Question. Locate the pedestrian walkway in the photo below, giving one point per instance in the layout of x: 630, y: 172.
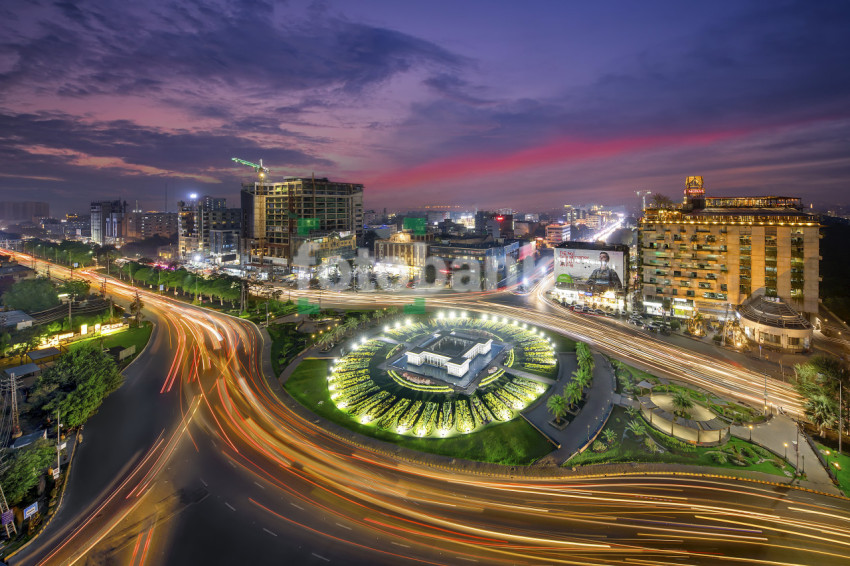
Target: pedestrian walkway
x: 528, y: 375
x: 782, y: 430
x: 576, y: 434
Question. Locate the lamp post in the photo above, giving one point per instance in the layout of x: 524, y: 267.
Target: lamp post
x: 751, y: 432
x: 785, y: 444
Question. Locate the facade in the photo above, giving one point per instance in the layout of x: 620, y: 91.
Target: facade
x: 557, y: 234
x: 710, y: 254
x: 401, y: 249
x: 769, y: 322
x: 196, y: 220
x: 450, y: 352
x: 279, y: 216
x: 107, y: 221
x: 502, y: 256
x: 592, y: 275
x: 142, y: 225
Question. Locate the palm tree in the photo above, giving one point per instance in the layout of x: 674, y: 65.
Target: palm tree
x: 609, y: 435
x: 136, y: 308
x: 572, y: 393
x: 636, y: 427
x: 822, y: 410
x: 582, y: 376
x: 682, y: 403
x: 557, y: 405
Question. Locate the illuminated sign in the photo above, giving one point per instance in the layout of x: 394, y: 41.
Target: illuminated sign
x: 604, y: 270
x: 694, y: 186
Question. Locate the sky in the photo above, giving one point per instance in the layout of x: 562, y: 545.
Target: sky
x: 491, y: 104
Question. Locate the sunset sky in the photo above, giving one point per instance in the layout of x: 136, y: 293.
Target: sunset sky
x: 526, y: 104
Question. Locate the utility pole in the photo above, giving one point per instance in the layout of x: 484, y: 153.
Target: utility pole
x: 16, y: 423
x: 58, y: 446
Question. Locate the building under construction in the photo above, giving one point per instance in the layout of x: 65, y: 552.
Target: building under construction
x: 278, y: 216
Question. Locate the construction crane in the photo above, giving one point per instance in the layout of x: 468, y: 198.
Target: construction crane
x: 258, y: 167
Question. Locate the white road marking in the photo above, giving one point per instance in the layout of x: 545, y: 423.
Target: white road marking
x: 268, y: 531
x: 320, y: 556
x: 258, y: 485
x: 232, y: 508
x: 399, y: 544
x: 296, y: 505
x: 343, y: 526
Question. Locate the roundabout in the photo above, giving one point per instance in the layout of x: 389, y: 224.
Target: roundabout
x: 444, y: 375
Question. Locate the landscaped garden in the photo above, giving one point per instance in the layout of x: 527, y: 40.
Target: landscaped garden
x: 378, y: 389
x: 627, y: 437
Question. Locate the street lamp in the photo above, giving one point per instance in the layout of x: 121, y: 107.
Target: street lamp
x: 751, y: 432
x: 785, y: 444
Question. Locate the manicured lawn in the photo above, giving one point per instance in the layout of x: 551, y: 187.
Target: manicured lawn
x: 843, y: 461
x: 512, y: 443
x: 627, y: 447
x: 126, y: 338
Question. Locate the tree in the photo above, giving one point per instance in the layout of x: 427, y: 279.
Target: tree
x: 682, y: 403
x: 25, y: 468
x: 609, y: 435
x: 136, y: 309
x: 572, y: 393
x: 661, y: 201
x: 557, y: 406
x: 75, y: 287
x: 822, y: 410
x: 76, y: 385
x: 32, y: 295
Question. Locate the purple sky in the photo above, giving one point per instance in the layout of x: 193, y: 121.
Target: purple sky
x: 528, y: 105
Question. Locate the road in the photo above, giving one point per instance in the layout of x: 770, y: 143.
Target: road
x: 197, y: 461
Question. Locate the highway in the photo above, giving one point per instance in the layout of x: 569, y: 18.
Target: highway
x: 198, y: 461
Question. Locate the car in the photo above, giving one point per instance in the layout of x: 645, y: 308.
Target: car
x: 599, y: 311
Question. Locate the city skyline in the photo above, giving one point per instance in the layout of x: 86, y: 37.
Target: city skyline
x: 423, y: 105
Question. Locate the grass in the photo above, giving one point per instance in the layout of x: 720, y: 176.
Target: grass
x: 629, y: 448
x: 130, y: 337
x: 512, y: 443
x: 286, y: 343
x: 843, y: 460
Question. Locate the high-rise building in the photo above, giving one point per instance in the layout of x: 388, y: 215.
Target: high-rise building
x: 198, y: 217
x: 141, y: 225
x: 23, y: 211
x: 710, y: 254
x: 107, y: 221
x: 279, y: 216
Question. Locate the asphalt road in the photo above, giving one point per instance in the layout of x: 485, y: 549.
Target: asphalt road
x: 196, y: 461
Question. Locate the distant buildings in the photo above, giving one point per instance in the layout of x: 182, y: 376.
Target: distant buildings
x: 711, y: 254
x: 279, y: 216
x: 24, y: 211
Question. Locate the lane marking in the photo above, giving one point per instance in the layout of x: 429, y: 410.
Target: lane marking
x: 399, y: 544
x: 320, y: 556
x: 268, y: 531
x: 343, y: 526
x: 296, y: 505
x: 232, y: 508
x: 258, y: 485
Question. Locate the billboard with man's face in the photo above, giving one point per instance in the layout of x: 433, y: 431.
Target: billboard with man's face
x: 600, y: 269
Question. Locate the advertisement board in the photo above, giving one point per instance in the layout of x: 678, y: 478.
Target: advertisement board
x: 595, y: 268
x: 31, y: 510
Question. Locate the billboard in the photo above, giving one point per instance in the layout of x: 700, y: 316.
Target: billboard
x: 597, y: 269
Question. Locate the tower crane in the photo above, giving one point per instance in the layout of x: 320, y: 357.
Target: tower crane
x: 261, y: 170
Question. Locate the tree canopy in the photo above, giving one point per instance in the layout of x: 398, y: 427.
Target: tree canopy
x: 77, y: 384
x: 25, y: 466
x: 31, y: 295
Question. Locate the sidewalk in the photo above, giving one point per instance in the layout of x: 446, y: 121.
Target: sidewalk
x: 575, y: 435
x: 780, y: 430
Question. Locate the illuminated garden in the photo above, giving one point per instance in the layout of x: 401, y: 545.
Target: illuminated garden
x: 442, y: 376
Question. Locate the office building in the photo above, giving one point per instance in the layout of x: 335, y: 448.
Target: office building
x: 197, y: 218
x: 401, y: 251
x: 710, y: 254
x: 141, y: 225
x: 279, y: 216
x: 107, y: 222
x: 557, y: 234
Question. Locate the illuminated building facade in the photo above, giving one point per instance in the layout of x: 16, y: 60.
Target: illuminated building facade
x: 279, y: 216
x: 710, y: 254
